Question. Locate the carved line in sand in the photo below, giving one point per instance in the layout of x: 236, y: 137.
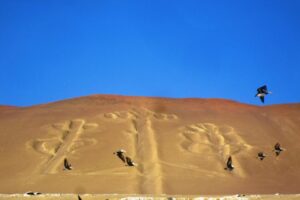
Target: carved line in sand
x: 144, y: 145
x: 210, y: 139
x: 135, y: 115
x: 66, y: 142
x: 131, y: 133
x: 152, y: 181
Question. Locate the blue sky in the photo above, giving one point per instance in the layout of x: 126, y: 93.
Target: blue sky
x: 52, y: 50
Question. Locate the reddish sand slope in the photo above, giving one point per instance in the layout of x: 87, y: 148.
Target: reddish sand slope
x: 181, y: 146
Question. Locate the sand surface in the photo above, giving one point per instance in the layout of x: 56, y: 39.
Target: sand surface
x: 181, y: 147
x: 149, y: 197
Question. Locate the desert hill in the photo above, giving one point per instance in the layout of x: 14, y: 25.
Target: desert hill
x: 181, y: 146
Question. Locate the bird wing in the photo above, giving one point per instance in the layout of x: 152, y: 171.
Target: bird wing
x: 262, y: 89
x: 122, y: 157
x: 66, y: 164
x: 262, y: 98
x: 129, y: 161
x: 259, y: 90
x: 229, y: 162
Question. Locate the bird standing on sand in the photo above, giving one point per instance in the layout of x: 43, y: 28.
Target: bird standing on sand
x: 261, y: 155
x: 32, y: 193
x: 67, y: 165
x: 229, y: 164
x: 262, y: 92
x: 120, y: 153
x: 277, y: 149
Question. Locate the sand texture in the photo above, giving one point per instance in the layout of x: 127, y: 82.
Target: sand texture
x: 149, y: 197
x: 180, y: 145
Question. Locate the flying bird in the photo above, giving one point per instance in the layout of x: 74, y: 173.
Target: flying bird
x: 261, y: 155
x: 229, y: 164
x: 277, y: 149
x: 130, y: 162
x: 67, y: 165
x: 262, y: 92
x: 120, y: 153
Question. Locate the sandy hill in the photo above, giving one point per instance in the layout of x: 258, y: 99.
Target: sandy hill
x: 181, y: 146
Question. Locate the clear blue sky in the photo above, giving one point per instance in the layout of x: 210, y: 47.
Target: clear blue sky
x: 57, y: 49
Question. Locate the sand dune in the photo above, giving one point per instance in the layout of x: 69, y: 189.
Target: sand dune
x: 181, y: 147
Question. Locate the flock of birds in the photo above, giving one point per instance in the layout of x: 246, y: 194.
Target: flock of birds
x: 260, y: 155
x: 121, y: 154
x: 261, y: 93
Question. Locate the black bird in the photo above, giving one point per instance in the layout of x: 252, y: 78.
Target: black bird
x: 32, y: 193
x: 262, y: 92
x: 79, y: 198
x: 277, y: 149
x: 130, y: 162
x: 120, y: 154
x: 229, y: 164
x: 67, y: 165
x: 261, y: 155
